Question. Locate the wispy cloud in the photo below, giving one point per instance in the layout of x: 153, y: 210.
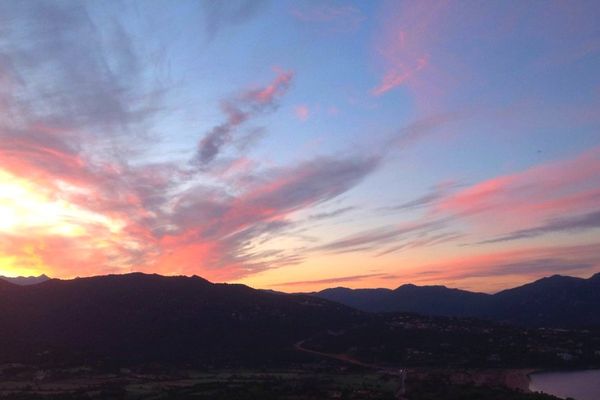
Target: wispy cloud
x: 374, y: 239
x: 222, y: 14
x: 239, y: 110
x: 422, y: 128
x: 552, y: 196
x: 426, y: 241
x: 554, y: 225
x: 336, y: 280
x: 331, y: 214
x: 436, y: 193
x: 334, y: 17
x: 405, y: 44
x: 518, y: 266
x: 399, y: 75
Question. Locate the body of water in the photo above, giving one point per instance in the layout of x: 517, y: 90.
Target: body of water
x: 579, y: 385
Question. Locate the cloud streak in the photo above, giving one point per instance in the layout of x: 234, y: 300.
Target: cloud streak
x: 376, y: 238
x: 529, y: 202
x: 239, y: 110
x: 517, y: 266
x: 566, y: 224
x: 437, y: 193
x: 336, y: 280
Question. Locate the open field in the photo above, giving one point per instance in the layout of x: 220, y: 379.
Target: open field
x: 325, y: 380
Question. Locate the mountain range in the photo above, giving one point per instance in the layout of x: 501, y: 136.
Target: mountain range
x: 25, y: 280
x: 556, y: 301
x: 141, y: 318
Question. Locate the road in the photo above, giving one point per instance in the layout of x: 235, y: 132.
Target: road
x: 400, y: 373
x: 341, y: 357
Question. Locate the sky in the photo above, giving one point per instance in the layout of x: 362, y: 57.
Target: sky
x: 301, y: 145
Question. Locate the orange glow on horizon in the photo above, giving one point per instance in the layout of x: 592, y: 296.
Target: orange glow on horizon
x: 29, y: 212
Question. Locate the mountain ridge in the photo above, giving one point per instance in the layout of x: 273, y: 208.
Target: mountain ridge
x: 554, y: 301
x: 25, y: 280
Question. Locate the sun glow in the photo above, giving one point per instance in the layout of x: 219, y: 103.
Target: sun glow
x: 28, y: 265
x: 33, y: 220
x: 25, y: 207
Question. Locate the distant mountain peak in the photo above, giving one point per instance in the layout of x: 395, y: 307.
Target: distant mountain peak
x: 26, y: 280
x: 406, y: 285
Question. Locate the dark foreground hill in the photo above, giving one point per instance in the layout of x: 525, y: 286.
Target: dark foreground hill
x: 141, y: 318
x: 137, y: 319
x: 557, y: 301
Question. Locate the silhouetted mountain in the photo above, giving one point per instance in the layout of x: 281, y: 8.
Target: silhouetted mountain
x: 429, y: 300
x: 372, y: 300
x: 119, y: 320
x: 557, y: 301
x: 25, y: 280
x: 139, y: 317
x: 561, y: 301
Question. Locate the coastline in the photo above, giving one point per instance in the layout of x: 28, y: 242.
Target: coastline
x: 519, y: 379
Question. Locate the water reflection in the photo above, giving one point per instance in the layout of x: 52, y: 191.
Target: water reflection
x: 579, y: 385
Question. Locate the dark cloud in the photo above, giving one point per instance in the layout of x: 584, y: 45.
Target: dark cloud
x: 239, y: 110
x: 436, y: 193
x: 221, y: 14
x: 312, y: 182
x: 331, y: 214
x: 565, y: 224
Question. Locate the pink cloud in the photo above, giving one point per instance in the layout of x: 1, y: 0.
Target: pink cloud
x: 498, y: 270
x: 239, y: 109
x: 529, y: 197
x: 557, y: 197
x: 405, y: 47
x: 302, y: 112
x: 397, y: 76
x: 275, y: 89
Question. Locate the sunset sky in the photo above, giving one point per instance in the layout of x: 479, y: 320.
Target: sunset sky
x: 301, y: 145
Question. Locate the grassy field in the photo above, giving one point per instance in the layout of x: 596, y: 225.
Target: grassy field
x: 320, y: 381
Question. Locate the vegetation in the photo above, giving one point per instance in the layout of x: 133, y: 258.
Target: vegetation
x: 242, y: 385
